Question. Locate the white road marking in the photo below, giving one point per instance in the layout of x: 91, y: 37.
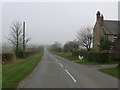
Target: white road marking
x: 57, y: 60
x: 60, y: 64
x: 70, y: 76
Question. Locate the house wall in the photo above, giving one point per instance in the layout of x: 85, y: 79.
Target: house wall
x: 110, y: 38
x: 96, y: 36
x: 99, y: 33
x: 102, y: 33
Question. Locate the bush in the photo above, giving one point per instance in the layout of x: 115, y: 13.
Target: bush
x: 8, y: 57
x: 27, y: 53
x: 98, y: 56
x: 80, y: 52
x: 105, y: 44
x: 95, y: 56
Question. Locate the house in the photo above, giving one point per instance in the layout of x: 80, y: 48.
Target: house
x: 107, y: 29
x: 116, y: 49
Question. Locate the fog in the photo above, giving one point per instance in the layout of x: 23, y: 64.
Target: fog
x: 47, y: 22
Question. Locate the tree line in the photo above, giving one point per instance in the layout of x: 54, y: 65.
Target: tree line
x: 84, y: 40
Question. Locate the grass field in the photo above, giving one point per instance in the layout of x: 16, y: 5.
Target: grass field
x: 112, y: 71
x: 75, y: 59
x: 13, y: 73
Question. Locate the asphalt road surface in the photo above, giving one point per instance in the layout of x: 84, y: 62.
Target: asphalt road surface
x: 56, y: 72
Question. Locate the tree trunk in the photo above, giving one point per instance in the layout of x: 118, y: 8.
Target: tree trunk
x: 17, y: 44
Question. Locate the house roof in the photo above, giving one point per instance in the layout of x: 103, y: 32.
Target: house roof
x: 111, y: 27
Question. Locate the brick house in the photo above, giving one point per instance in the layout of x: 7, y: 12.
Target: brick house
x: 107, y: 29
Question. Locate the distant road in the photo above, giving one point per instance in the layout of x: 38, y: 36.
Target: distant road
x: 56, y: 72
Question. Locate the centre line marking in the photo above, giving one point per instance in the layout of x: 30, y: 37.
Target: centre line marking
x: 71, y: 76
x: 60, y: 64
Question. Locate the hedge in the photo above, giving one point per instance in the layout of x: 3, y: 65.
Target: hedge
x: 27, y: 53
x: 96, y: 56
x: 8, y: 57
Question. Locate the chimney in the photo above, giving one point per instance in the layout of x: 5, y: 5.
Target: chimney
x: 102, y: 20
x: 98, y: 15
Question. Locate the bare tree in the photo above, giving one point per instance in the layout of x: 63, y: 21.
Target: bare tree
x: 16, y: 37
x: 85, y: 38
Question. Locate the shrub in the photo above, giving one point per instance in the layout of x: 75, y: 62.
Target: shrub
x: 98, y: 56
x: 27, y: 53
x: 105, y: 44
x: 95, y: 56
x: 8, y: 57
x: 79, y: 52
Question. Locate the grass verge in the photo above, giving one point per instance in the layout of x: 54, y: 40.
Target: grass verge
x: 112, y: 71
x: 75, y: 59
x: 13, y: 73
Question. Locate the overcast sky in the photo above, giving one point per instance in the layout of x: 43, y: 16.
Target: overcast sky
x: 49, y: 21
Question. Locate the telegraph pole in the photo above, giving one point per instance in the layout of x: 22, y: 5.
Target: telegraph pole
x: 24, y: 39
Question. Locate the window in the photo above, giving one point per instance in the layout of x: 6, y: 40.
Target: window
x: 114, y: 38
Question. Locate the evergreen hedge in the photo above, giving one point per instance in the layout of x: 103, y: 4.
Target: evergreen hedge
x: 96, y: 56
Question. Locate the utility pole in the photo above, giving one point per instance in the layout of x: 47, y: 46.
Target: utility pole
x: 24, y: 39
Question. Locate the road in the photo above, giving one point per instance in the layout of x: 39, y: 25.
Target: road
x: 56, y: 72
